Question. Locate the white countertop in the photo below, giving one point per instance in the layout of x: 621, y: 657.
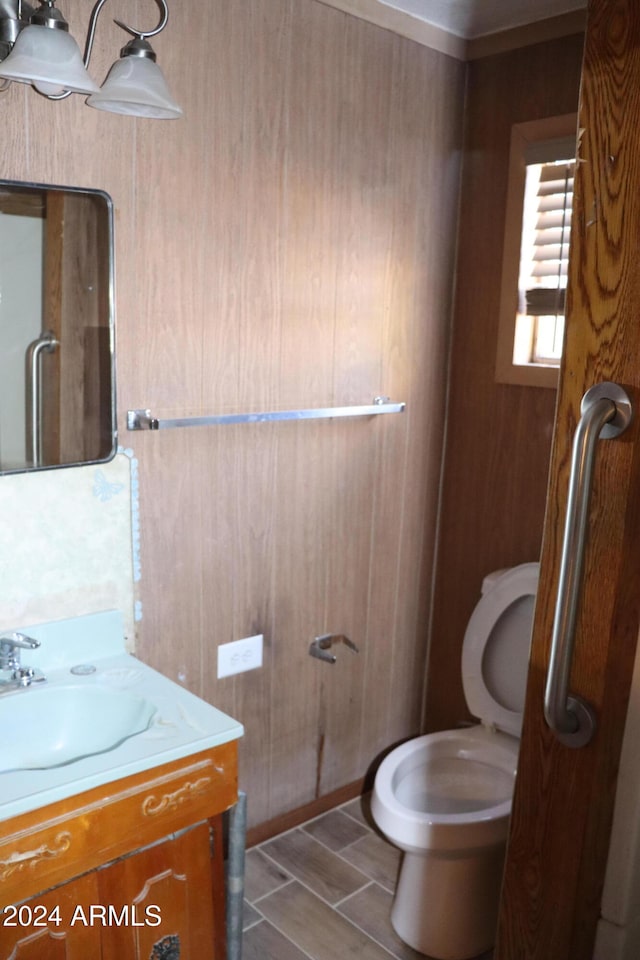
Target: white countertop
x: 182, y: 724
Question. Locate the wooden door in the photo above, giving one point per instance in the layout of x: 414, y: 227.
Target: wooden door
x: 76, y: 376
x: 563, y: 804
x: 52, y: 313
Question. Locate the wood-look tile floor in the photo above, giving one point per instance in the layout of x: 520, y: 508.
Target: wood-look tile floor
x: 323, y: 891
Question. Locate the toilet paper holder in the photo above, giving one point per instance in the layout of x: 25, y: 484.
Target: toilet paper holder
x: 321, y: 645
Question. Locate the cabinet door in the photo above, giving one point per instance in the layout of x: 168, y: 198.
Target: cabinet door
x: 161, y: 902
x: 52, y: 926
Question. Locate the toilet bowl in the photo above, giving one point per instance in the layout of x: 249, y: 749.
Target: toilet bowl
x: 445, y: 798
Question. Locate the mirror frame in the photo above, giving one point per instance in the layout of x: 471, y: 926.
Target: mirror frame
x: 110, y: 299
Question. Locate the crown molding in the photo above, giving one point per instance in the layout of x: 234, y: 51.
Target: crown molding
x: 564, y: 25
x: 397, y: 21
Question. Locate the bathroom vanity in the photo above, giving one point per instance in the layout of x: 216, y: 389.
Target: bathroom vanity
x: 115, y: 852
x: 128, y: 866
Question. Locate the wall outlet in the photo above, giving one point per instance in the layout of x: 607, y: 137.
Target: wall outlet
x: 239, y: 655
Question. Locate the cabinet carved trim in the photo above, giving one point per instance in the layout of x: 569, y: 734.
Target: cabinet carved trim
x: 21, y: 860
x: 142, y: 895
x: 70, y: 837
x: 171, y: 801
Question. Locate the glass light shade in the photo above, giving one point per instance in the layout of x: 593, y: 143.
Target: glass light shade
x: 48, y: 58
x: 136, y: 86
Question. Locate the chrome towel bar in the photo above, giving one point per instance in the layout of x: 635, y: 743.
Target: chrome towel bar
x: 144, y: 420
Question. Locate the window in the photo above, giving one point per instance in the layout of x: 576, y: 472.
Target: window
x: 536, y: 251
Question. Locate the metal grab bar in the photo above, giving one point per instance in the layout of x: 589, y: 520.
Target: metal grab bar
x: 143, y: 419
x: 45, y: 343
x: 606, y: 412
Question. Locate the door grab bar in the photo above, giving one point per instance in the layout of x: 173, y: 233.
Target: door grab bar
x: 45, y: 343
x: 606, y: 412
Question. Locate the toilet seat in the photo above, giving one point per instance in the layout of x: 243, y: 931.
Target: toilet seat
x: 495, y: 651
x: 412, y: 823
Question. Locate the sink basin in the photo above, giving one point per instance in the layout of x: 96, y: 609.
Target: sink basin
x: 55, y: 726
x: 100, y: 716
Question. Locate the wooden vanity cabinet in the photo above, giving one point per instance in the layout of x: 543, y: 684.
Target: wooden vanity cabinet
x: 133, y: 869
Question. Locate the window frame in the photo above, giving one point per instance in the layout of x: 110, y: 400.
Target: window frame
x: 523, y: 135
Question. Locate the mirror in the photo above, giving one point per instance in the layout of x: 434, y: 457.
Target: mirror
x: 57, y: 370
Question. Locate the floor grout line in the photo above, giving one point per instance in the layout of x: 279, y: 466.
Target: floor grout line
x: 373, y: 939
x: 283, y: 934
x: 333, y: 907
x: 308, y: 889
x: 281, y: 886
x: 381, y: 883
x: 337, y: 906
x: 336, y: 853
x: 339, y: 903
x: 254, y: 923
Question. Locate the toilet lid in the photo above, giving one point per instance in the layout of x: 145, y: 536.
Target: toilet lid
x: 495, y: 653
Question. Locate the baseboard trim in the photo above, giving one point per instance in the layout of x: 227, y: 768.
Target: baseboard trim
x: 287, y: 821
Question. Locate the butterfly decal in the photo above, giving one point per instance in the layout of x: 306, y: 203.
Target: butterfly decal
x: 103, y: 489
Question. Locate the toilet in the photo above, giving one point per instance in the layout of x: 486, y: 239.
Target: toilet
x: 445, y: 798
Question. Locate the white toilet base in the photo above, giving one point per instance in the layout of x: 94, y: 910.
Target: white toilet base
x: 448, y: 908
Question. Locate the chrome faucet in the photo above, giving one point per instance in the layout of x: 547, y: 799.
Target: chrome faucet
x: 12, y: 674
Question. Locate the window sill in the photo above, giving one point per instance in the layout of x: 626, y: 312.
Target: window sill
x: 528, y: 375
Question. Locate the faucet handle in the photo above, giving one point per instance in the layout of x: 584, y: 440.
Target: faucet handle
x: 12, y: 674
x: 11, y: 641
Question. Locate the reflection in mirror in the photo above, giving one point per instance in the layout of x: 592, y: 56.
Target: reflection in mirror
x: 57, y: 389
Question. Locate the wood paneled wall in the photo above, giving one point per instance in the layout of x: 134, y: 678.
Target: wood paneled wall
x: 498, y: 436
x: 289, y: 243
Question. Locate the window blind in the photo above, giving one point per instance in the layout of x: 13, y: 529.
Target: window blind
x: 546, y: 286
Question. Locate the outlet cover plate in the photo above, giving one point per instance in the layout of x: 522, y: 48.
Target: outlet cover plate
x: 240, y: 656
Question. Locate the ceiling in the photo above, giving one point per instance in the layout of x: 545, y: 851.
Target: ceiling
x: 469, y: 19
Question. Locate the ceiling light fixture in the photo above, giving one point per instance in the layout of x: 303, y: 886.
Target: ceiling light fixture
x: 36, y: 47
